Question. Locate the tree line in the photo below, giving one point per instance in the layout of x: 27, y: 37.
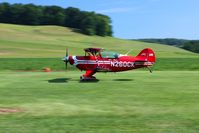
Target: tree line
x: 89, y: 23
x: 191, y: 45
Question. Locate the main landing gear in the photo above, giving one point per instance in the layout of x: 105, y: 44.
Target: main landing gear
x: 85, y: 78
x: 88, y: 76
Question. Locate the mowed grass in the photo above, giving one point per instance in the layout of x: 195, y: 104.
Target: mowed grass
x: 134, y: 101
x: 51, y: 41
x: 56, y: 64
x: 56, y: 102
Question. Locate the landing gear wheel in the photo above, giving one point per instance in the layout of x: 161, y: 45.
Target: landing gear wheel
x: 84, y: 78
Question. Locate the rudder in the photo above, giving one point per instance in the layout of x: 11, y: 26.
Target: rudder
x: 148, y: 54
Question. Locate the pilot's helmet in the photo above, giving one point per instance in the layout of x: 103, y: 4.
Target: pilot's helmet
x: 116, y: 55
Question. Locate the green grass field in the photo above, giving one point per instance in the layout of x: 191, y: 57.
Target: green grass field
x: 51, y: 41
x: 135, y: 101
x: 55, y: 64
x: 31, y: 101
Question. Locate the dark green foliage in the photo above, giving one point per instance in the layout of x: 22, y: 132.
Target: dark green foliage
x: 20, y: 14
x: 167, y: 41
x: 53, y: 15
x: 102, y: 29
x: 191, y: 45
x: 5, y: 12
x: 88, y: 23
x: 73, y: 17
x: 31, y: 15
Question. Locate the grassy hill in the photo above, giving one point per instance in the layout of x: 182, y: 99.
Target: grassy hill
x: 51, y: 41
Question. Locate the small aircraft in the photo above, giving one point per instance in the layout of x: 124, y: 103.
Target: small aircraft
x: 98, y: 60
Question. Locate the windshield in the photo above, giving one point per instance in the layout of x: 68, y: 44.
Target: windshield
x: 109, y: 54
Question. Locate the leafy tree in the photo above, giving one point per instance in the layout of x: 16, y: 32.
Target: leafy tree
x: 88, y: 23
x: 53, y: 15
x: 30, y: 15
x: 73, y: 17
x: 4, y: 9
x: 192, y: 46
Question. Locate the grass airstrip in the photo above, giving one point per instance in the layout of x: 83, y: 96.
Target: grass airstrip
x: 136, y: 101
x: 32, y: 101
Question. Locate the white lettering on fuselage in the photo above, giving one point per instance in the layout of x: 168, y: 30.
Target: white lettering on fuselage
x: 103, y: 62
x: 122, y: 64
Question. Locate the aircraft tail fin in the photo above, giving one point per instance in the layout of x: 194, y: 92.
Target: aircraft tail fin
x: 148, y: 54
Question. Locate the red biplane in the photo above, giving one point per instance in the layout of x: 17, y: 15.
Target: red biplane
x: 98, y: 60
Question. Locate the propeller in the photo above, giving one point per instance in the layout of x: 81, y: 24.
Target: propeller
x: 65, y: 59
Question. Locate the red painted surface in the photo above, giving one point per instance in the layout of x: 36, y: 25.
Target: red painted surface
x: 96, y: 63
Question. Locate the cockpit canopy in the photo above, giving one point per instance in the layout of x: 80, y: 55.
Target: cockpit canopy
x: 93, y: 51
x: 110, y: 54
x: 101, y: 52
